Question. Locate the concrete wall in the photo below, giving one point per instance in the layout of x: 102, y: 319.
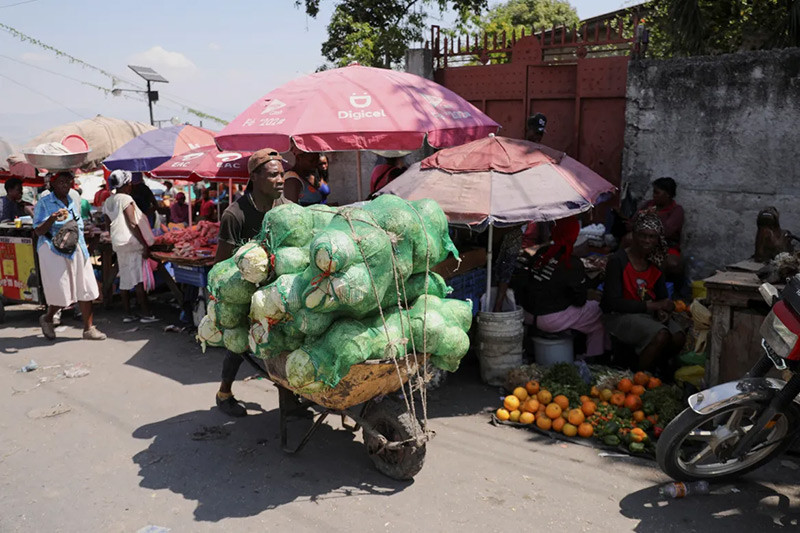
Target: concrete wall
x: 343, y: 175
x: 727, y: 129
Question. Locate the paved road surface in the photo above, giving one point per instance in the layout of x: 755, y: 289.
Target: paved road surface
x: 137, y: 443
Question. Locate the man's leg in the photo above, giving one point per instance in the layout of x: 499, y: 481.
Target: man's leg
x: 225, y: 400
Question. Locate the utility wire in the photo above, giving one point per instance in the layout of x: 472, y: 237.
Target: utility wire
x: 42, y: 95
x: 18, y: 3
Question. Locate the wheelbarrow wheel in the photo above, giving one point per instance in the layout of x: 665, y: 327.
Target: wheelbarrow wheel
x: 390, y: 419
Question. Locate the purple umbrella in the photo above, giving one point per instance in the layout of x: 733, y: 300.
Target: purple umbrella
x: 150, y: 149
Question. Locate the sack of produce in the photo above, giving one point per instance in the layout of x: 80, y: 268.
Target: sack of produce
x: 226, y: 284
x: 321, y: 216
x: 280, y: 298
x: 286, y: 225
x: 258, y: 339
x: 230, y: 315
x: 208, y: 334
x: 235, y: 339
x: 415, y: 287
x: 252, y: 261
x: 291, y: 260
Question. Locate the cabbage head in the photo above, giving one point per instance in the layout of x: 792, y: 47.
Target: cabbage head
x: 236, y: 339
x: 253, y: 262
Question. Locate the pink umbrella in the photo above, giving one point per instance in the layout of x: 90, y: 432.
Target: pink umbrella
x: 205, y: 163
x: 356, y: 108
x: 501, y: 181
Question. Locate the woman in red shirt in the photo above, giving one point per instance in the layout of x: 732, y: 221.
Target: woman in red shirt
x: 635, y: 297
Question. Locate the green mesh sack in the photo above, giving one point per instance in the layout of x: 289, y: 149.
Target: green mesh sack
x: 434, y: 244
x: 333, y: 250
x: 208, y: 334
x: 290, y: 260
x: 301, y: 373
x: 426, y: 330
x: 287, y: 337
x: 457, y: 312
x: 235, y: 339
x: 414, y: 288
x: 313, y: 324
x: 281, y: 297
x: 230, y: 315
x: 392, y: 339
x: 321, y: 216
x: 252, y: 261
x: 453, y: 346
x: 211, y: 310
x: 258, y: 341
x: 286, y: 225
x: 226, y: 284
x: 347, y: 342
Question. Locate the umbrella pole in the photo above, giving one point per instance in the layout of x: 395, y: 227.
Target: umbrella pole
x: 489, y: 270
x: 191, y: 204
x: 358, y: 172
x: 230, y: 191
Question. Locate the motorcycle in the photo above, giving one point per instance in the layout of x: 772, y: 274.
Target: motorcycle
x: 736, y: 427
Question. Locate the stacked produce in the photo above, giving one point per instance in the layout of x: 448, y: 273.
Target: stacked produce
x: 339, y: 287
x: 186, y: 242
x: 619, y: 409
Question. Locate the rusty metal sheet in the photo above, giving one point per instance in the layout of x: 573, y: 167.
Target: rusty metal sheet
x: 492, y: 82
x: 602, y: 77
x: 552, y: 81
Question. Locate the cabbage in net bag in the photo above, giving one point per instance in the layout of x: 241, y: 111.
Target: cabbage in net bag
x: 286, y: 225
x: 225, y: 283
x: 253, y: 262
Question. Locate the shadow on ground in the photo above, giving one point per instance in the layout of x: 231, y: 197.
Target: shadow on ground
x: 756, y: 507
x: 236, y: 468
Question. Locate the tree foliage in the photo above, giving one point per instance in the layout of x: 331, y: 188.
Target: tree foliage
x: 378, y: 32
x: 514, y: 15
x: 703, y: 27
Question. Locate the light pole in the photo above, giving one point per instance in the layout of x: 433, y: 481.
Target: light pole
x: 149, y: 75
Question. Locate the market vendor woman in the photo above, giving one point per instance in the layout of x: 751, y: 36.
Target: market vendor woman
x: 66, y: 273
x: 635, y: 297
x: 240, y: 223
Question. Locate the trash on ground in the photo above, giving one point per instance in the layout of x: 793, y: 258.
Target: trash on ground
x: 153, y: 529
x: 48, y: 412
x: 211, y: 433
x: 173, y: 329
x: 61, y: 329
x: 77, y: 371
x: 680, y: 489
x: 30, y: 367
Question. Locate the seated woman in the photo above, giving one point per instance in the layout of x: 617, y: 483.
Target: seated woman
x: 554, y: 291
x: 635, y: 297
x: 671, y: 215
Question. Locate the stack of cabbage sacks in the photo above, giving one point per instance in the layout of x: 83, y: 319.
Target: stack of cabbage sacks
x: 336, y: 288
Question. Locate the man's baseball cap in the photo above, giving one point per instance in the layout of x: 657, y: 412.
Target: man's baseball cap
x: 261, y: 157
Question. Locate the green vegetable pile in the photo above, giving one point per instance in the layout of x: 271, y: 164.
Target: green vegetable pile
x: 563, y: 378
x: 667, y: 401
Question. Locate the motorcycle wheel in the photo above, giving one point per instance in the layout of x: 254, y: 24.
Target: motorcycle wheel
x: 696, y: 447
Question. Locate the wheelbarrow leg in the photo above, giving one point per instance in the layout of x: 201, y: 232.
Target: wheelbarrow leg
x: 287, y: 404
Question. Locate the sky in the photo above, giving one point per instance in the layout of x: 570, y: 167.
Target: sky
x: 219, y: 57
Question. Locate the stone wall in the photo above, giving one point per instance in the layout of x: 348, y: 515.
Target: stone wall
x: 727, y: 129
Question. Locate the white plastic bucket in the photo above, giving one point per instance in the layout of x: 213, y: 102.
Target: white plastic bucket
x: 551, y: 351
x: 499, y: 344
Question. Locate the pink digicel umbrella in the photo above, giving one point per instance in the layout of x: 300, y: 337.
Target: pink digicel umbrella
x: 501, y: 181
x: 356, y: 108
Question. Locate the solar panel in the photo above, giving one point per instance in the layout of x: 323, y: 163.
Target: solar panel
x: 147, y: 73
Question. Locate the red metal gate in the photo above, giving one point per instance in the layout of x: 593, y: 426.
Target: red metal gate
x: 576, y: 77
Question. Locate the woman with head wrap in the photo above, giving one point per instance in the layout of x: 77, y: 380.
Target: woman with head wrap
x: 635, y: 296
x: 554, y: 290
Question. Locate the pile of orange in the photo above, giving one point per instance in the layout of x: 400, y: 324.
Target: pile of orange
x: 533, y: 405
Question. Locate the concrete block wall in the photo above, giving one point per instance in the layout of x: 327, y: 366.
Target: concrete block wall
x: 727, y: 129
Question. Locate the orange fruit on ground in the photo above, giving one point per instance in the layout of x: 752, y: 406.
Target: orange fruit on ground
x: 513, y: 416
x: 625, y: 385
x: 638, y: 390
x: 520, y: 393
x: 638, y: 416
x: 526, y: 418
x: 576, y: 417
x: 541, y: 408
x: 617, y: 399
x: 532, y: 387
x: 585, y: 430
x: 502, y: 414
x: 585, y: 399
x: 569, y: 430
x: 588, y: 408
x: 641, y: 378
x: 544, y: 396
x: 553, y: 410
x: 511, y: 403
x: 562, y: 401
x: 531, y: 405
x: 595, y: 392
x: 654, y: 383
x: 633, y: 402
x: 606, y: 394
x: 558, y: 424
x: 542, y: 422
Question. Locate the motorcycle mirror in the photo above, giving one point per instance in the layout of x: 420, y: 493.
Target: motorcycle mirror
x: 769, y: 293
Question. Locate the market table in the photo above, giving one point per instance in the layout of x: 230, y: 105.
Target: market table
x: 737, y: 311
x: 187, y: 270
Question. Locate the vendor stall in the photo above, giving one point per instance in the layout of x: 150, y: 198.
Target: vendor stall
x: 19, y: 273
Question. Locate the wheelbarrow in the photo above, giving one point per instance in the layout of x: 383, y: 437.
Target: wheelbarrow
x: 394, y: 438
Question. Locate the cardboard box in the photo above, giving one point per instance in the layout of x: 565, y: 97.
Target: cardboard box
x: 470, y: 260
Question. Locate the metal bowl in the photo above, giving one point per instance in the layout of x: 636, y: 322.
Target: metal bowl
x: 56, y: 162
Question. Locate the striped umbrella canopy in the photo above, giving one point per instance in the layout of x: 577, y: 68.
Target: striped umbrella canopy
x: 147, y: 151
